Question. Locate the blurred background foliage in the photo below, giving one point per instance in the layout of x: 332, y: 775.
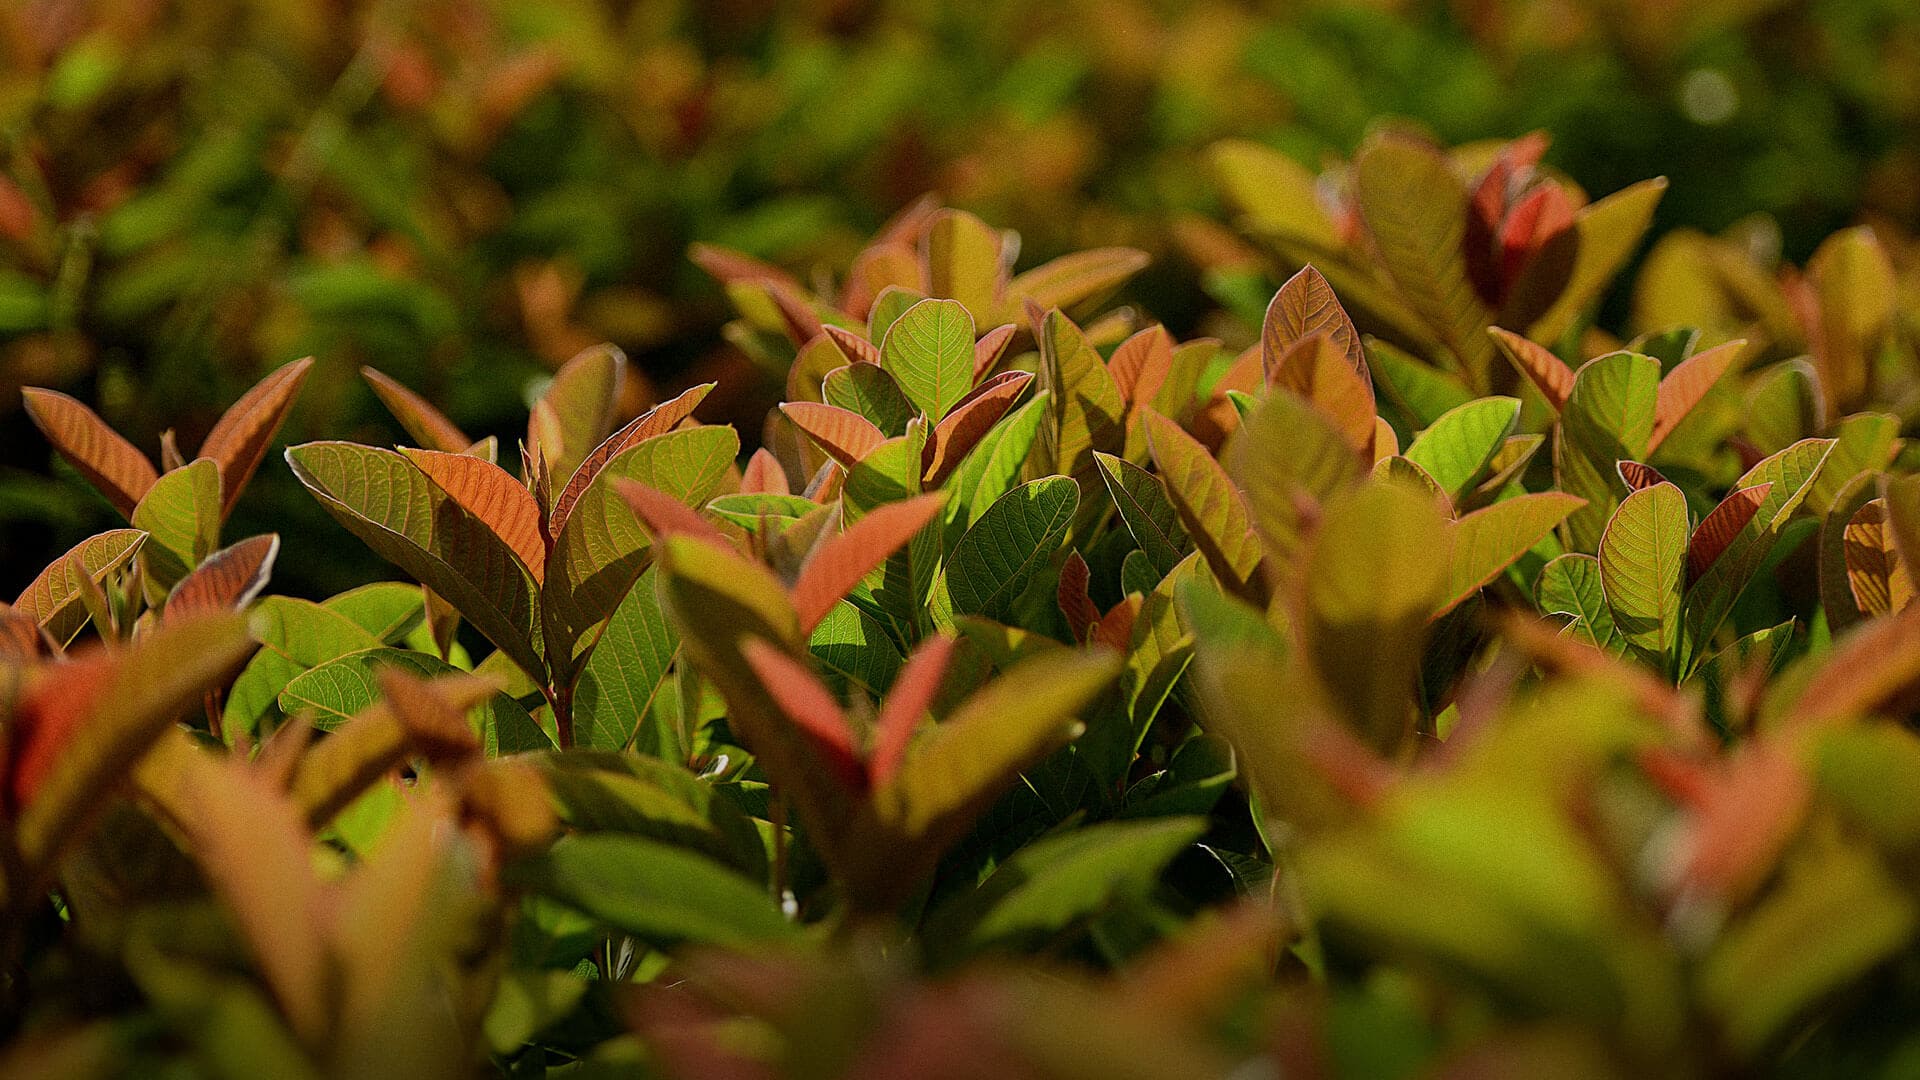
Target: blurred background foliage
x: 463, y: 193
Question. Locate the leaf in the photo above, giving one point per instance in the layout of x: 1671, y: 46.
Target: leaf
x: 1487, y: 541
x: 661, y: 894
x: 846, y: 436
x: 1371, y: 581
x: 1306, y: 307
x: 929, y: 352
x: 1858, y: 295
x: 969, y: 422
x: 991, y: 470
x: 492, y: 497
x: 1570, y: 585
x: 1902, y: 498
x: 656, y: 421
x: 854, y: 348
x: 871, y: 392
x: 1071, y: 280
x: 60, y: 759
x: 53, y: 598
x: 1085, y: 412
x: 1637, y: 476
x: 110, y: 463
x: 1315, y: 370
x: 855, y: 647
x: 602, y: 549
x: 341, y: 689
x: 988, y: 350
x: 239, y: 441
x: 1457, y: 448
x: 805, y: 702
x: 1685, y: 385
x: 1415, y: 208
x: 909, y: 698
x: 1146, y: 510
x: 406, y: 519
x: 964, y: 262
x: 581, y: 399
x: 615, y: 691
x: 1276, y: 193
x: 1643, y: 570
x: 1288, y: 461
x: 843, y: 561
x: 1608, y: 419
x: 1719, y: 528
x: 1140, y: 365
x: 389, y: 610
x: 1548, y: 373
x: 228, y: 580
x: 1056, y: 882
x: 1209, y: 507
x: 181, y: 516
x: 764, y: 475
x: 1608, y: 231
x: 294, y: 635
x: 428, y: 425
x: 999, y: 555
x: 1879, y: 582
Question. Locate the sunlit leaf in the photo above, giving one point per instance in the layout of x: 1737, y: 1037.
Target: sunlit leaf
x: 181, y: 516
x: 228, y: 580
x: 53, y: 597
x: 428, y: 426
x: 1643, y: 563
x: 239, y: 441
x: 110, y: 463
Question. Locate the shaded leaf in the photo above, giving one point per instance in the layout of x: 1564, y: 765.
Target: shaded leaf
x: 239, y: 441
x: 110, y: 463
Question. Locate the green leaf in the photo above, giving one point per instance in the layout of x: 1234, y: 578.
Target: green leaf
x: 294, y: 635
x: 999, y: 555
x: 1489, y: 540
x: 1145, y: 509
x: 868, y: 390
x: 181, y: 516
x: 54, y: 598
x: 1210, y: 508
x: 1457, y: 448
x: 1419, y: 393
x: 929, y: 352
x: 1287, y: 460
x: 632, y: 793
x: 1570, y: 585
x: 389, y: 610
x: 1055, y: 883
x: 602, y: 547
x: 407, y: 520
x: 993, y: 467
x: 1643, y: 567
x: 624, y: 672
x: 662, y: 894
x: 1608, y: 419
x: 580, y: 401
x: 337, y: 690
x: 857, y: 647
x: 1161, y: 647
x: 1085, y: 412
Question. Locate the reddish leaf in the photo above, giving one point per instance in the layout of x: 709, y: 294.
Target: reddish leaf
x: 878, y: 267
x: 972, y: 417
x: 987, y: 351
x: 1313, y: 368
x: 664, y: 515
x: 1549, y: 373
x: 910, y: 697
x: 1685, y: 385
x: 109, y: 462
x: 227, y: 580
x: 1115, y: 628
x: 840, y: 563
x: 425, y: 423
x: 1075, y: 603
x: 47, y: 718
x: 845, y: 435
x: 1637, y: 476
x: 732, y: 267
x: 807, y: 703
x: 1712, y: 535
x: 492, y: 495
x: 240, y: 439
x: 763, y: 475
x: 1306, y: 306
x: 658, y: 420
x: 857, y: 348
x: 1544, y: 213
x: 1745, y: 819
x: 1141, y: 364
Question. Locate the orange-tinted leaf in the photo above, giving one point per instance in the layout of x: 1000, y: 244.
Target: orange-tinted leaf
x: 731, y: 266
x: 47, y: 718
x: 664, y: 515
x: 53, y: 598
x: 1542, y: 214
x: 228, y: 580
x: 1141, y: 364
x: 908, y: 699
x: 658, y: 420
x: 240, y: 439
x: 987, y: 351
x: 1879, y: 583
x: 1717, y: 530
x: 763, y: 475
x: 841, y: 562
x: 1875, y: 663
x: 857, y: 347
x: 425, y: 423
x: 845, y: 435
x: 1549, y: 373
x: 879, y: 267
x: 1115, y: 628
x: 1314, y: 368
x: 1071, y: 279
x: 576, y: 411
x: 806, y: 702
x: 1304, y: 307
x: 1685, y: 385
x: 1075, y: 603
x: 1636, y: 475
x: 970, y: 421
x: 492, y: 495
x: 1210, y: 508
x: 1744, y: 820
x: 110, y: 463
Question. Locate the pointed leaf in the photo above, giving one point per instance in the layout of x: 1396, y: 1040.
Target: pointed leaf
x: 1085, y: 412
x: 857, y: 349
x: 181, y: 515
x: 929, y: 352
x: 659, y: 420
x: 239, y: 441
x: 1489, y: 540
x: 970, y: 421
x: 53, y: 598
x: 581, y: 398
x: 1073, y: 280
x: 663, y: 895
x: 1570, y: 585
x: 764, y: 475
x: 871, y: 392
x: 109, y: 462
x: 1303, y: 308
x: 1146, y: 510
x: 911, y: 695
x: 1141, y: 364
x: 1686, y: 384
x: 811, y: 708
x: 1209, y: 507
x: 1288, y: 460
x: 843, y: 561
x: 1457, y: 448
x: 625, y: 672
x: 1315, y: 369
x: 1643, y: 558
x: 846, y: 436
x: 1608, y: 231
x: 1608, y: 419
x: 1718, y: 529
x: 998, y: 556
x: 428, y: 425
x: 1548, y: 373
x: 228, y: 580
x: 496, y: 499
